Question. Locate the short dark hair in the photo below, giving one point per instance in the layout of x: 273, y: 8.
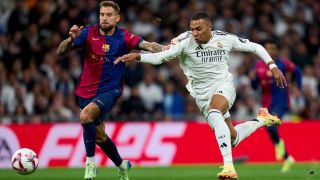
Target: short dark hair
x: 201, y: 15
x: 112, y: 4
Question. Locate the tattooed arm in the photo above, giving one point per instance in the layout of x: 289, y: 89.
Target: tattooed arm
x: 150, y: 46
x: 67, y: 45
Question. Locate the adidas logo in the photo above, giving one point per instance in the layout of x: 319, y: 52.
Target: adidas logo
x: 199, y: 47
x: 223, y: 145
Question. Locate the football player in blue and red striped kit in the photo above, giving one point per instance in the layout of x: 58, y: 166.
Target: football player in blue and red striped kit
x: 101, y: 82
x: 274, y: 98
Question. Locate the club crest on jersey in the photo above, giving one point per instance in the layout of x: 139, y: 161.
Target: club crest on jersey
x: 219, y: 44
x: 105, y: 47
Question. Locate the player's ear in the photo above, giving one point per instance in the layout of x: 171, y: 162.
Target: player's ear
x: 118, y: 18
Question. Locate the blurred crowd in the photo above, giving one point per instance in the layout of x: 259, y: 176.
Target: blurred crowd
x: 38, y: 86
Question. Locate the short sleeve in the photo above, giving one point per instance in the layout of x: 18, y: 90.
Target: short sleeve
x: 81, y: 39
x: 132, y: 41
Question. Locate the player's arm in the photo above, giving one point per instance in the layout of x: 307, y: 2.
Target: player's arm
x: 151, y: 46
x: 152, y: 58
x: 67, y: 45
x: 135, y: 42
x: 155, y: 47
x: 247, y: 46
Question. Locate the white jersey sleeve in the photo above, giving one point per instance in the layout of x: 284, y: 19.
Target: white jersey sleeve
x: 180, y: 38
x: 158, y: 58
x: 245, y: 45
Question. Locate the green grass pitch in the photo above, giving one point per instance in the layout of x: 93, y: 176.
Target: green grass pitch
x: 301, y: 171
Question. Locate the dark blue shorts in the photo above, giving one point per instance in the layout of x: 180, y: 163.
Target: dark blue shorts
x: 279, y: 111
x: 105, y: 101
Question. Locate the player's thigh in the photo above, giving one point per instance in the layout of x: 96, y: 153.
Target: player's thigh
x: 223, y: 97
x: 106, y: 100
x: 219, y: 102
x: 203, y: 106
x: 88, y: 111
x: 93, y: 109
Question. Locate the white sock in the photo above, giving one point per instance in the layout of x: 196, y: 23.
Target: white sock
x: 222, y: 133
x: 245, y: 129
x: 91, y: 160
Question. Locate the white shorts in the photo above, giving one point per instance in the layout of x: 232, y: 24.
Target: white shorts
x: 227, y: 90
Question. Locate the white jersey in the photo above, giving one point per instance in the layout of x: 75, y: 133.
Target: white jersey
x: 205, y: 65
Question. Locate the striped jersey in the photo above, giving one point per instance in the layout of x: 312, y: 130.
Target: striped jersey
x: 99, y: 74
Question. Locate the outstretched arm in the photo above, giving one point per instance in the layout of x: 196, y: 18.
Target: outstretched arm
x: 128, y: 58
x: 277, y: 75
x: 151, y: 46
x: 67, y: 45
x: 152, y: 58
x: 247, y: 46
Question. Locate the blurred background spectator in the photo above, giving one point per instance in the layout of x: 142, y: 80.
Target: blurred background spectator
x: 37, y: 86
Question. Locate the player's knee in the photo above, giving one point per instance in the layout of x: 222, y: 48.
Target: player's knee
x: 221, y: 108
x: 86, y: 116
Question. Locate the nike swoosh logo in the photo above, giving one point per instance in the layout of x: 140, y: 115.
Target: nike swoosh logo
x: 95, y: 39
x: 100, y: 102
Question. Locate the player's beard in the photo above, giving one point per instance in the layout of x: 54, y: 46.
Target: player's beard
x: 106, y: 28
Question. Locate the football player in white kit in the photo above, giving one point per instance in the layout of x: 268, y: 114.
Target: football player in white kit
x: 203, y: 56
